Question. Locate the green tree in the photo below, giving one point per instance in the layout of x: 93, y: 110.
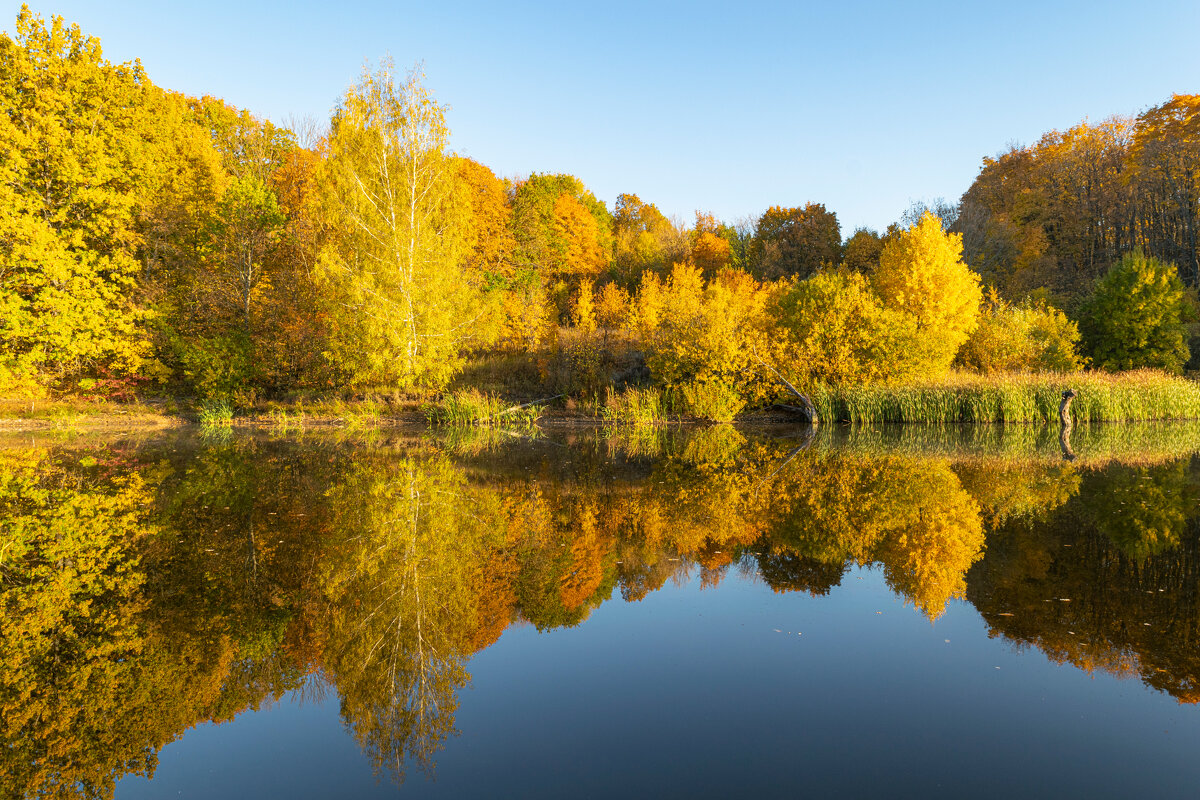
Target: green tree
x: 1135, y: 316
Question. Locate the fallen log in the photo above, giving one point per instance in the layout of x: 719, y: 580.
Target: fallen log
x: 806, y: 408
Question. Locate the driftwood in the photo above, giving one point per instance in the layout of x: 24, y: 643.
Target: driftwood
x: 806, y: 409
x: 511, y: 409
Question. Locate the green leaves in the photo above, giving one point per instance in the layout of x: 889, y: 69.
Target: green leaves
x: 1135, y: 317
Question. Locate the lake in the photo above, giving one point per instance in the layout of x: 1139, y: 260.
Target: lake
x: 711, y: 612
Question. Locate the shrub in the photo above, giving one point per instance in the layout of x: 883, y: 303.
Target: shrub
x: 1135, y: 317
x: 832, y: 329
x: 1027, y: 336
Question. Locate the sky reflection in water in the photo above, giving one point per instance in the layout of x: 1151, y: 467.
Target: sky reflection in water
x: 701, y: 614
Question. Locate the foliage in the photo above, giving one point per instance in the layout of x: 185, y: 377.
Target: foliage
x: 921, y: 275
x: 491, y: 231
x: 703, y: 347
x: 561, y: 230
x: 643, y: 240
x: 862, y: 250
x: 834, y: 330
x: 1027, y: 336
x: 395, y: 260
x: 583, y: 308
x: 1060, y: 212
x: 795, y: 241
x: 1135, y: 317
x: 71, y: 594
x: 73, y: 159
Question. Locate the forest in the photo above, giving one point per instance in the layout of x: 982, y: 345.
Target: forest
x: 155, y: 244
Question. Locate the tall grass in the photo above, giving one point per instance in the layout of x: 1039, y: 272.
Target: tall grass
x: 469, y: 407
x: 216, y: 414
x: 1138, y: 396
x: 636, y: 406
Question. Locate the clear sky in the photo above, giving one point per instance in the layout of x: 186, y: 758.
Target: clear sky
x: 725, y: 107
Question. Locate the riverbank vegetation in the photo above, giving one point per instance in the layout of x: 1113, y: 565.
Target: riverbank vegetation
x: 161, y: 245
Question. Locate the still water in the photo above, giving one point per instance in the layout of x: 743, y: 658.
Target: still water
x: 712, y: 613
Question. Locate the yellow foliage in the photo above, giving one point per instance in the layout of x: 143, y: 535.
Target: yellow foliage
x: 834, y: 330
x: 613, y: 306
x: 579, y: 236
x: 921, y: 274
x: 705, y: 343
x: 647, y: 311
x: 710, y: 253
x: 583, y: 309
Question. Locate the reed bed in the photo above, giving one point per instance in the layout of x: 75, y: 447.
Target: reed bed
x: 1015, y: 398
x: 636, y: 406
x: 470, y: 407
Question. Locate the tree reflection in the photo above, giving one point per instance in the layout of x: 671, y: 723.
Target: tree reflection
x: 150, y: 588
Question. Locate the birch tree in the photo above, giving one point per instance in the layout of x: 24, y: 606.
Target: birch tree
x: 405, y: 307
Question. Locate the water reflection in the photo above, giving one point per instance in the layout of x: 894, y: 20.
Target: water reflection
x: 151, y: 585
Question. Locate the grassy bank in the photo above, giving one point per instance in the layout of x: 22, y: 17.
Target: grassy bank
x: 1012, y: 398
x: 1139, y: 396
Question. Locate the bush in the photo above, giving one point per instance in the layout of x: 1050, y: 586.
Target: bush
x: 1028, y: 336
x: 704, y: 346
x: 1135, y: 317
x: 832, y: 329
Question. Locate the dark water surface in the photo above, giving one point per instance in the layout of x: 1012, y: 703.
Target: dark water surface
x: 714, y: 613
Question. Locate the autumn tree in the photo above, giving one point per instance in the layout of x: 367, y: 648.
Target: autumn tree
x: 402, y: 235
x: 71, y: 137
x: 644, y: 240
x: 862, y: 250
x: 1165, y: 158
x: 795, y: 241
x: 921, y: 275
x: 491, y: 229
x: 711, y: 249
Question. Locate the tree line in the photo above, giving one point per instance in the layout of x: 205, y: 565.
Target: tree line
x: 179, y: 244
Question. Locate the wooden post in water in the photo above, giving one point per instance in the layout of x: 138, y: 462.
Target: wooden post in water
x: 1064, y: 408
x: 1064, y: 416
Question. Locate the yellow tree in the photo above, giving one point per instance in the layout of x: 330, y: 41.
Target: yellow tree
x: 922, y: 275
x: 577, y: 234
x: 583, y: 310
x: 493, y: 242
x: 73, y: 134
x: 401, y: 235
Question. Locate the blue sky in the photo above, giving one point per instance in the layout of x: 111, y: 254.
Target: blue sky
x: 728, y: 108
